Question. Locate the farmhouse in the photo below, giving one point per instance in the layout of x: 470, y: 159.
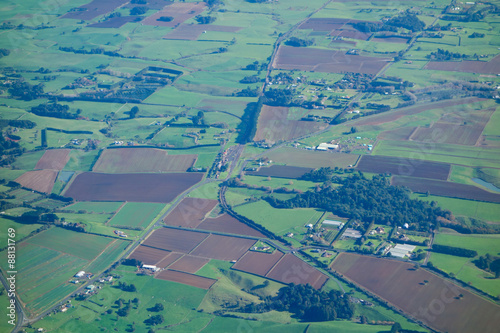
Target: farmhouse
x: 151, y: 267
x: 402, y: 250
x: 333, y: 223
x: 326, y: 146
x: 80, y: 274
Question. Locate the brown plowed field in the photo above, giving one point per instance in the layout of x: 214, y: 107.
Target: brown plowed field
x: 223, y: 247
x: 149, y: 255
x: 38, y: 180
x: 274, y: 126
x: 94, y: 9
x: 280, y: 171
x: 175, y: 240
x: 129, y: 160
x: 484, y: 67
x: 400, y: 134
x: 228, y: 224
x: 436, y: 303
x: 394, y: 115
x: 180, y: 11
x: 258, y: 263
x: 329, y: 61
x: 193, y: 31
x: 189, y: 212
x: 291, y: 269
x: 403, y: 167
x: 115, y: 22
x: 172, y: 257
x: 54, y: 159
x: 189, y: 264
x: 135, y: 187
x: 186, y: 278
x: 446, y: 189
x: 350, y: 33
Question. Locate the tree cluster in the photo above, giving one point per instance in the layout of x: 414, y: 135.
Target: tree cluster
x: 278, y: 97
x: 126, y: 287
x: 205, y: 19
x: 319, y: 175
x: 445, y: 55
x: 4, y: 53
x: 248, y: 125
x: 53, y: 110
x: 307, y: 303
x: 454, y: 251
x: 476, y: 35
x: 139, y: 10
x: 199, y: 119
x: 25, y: 91
x: 489, y: 263
x: 368, y: 200
x: 248, y: 92
x: 250, y: 79
x: 165, y: 18
x: 154, y: 320
x: 299, y: 42
x: 408, y: 21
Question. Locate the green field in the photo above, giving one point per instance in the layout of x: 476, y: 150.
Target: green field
x: 136, y: 214
x: 81, y: 245
x: 95, y: 207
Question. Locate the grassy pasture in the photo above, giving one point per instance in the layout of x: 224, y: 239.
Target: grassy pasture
x: 95, y: 207
x: 136, y: 214
x: 81, y: 245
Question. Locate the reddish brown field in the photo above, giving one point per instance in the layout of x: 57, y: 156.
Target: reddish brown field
x: 172, y: 257
x: 484, y: 67
x: 223, y: 247
x: 280, y: 171
x: 189, y: 212
x: 400, y: 134
x: 350, y: 33
x: 186, y: 278
x: 135, y: 187
x: 403, y: 167
x: 180, y: 11
x: 329, y: 61
x: 456, y: 129
x: 436, y: 303
x: 54, y: 159
x: 129, y: 160
x: 258, y: 263
x: 394, y: 115
x: 193, y: 31
x: 228, y: 224
x: 274, y: 126
x: 115, y: 22
x: 291, y: 269
x: 175, y: 240
x: 189, y: 264
x: 38, y: 180
x: 149, y: 255
x: 94, y: 9
x: 446, y: 189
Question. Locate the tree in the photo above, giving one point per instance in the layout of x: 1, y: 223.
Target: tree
x: 133, y: 112
x: 396, y: 328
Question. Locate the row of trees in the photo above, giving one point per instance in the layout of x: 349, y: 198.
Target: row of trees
x: 367, y: 201
x: 454, y: 251
x: 54, y: 110
x: 489, y: 263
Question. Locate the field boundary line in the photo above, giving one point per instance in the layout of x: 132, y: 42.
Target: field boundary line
x: 116, y: 212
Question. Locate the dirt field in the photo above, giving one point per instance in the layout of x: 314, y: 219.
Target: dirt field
x: 456, y: 129
x: 312, y: 159
x: 180, y: 11
x: 394, y: 115
x: 115, y: 22
x: 189, y: 212
x: 403, y: 167
x: 129, y: 160
x: 223, y: 247
x: 483, y: 67
x: 228, y: 224
x: 54, y: 159
x: 193, y: 31
x: 280, y: 171
x: 291, y: 269
x: 148, y: 255
x: 94, y: 9
x: 189, y: 264
x: 320, y: 60
x: 274, y: 126
x: 436, y: 302
x: 135, y: 187
x: 38, y: 180
x: 175, y: 240
x: 257, y: 262
x: 185, y: 278
x: 168, y: 260
x: 400, y: 134
x: 446, y: 189
x: 349, y: 33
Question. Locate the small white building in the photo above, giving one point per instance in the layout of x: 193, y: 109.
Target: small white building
x: 80, y: 274
x: 151, y: 267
